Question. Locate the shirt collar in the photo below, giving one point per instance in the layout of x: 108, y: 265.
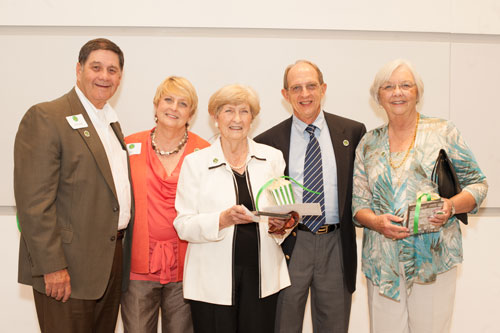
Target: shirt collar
x: 218, y: 155
x: 106, y: 115
x: 301, y: 126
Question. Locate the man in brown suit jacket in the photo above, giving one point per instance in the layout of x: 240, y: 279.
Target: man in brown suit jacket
x: 73, y: 199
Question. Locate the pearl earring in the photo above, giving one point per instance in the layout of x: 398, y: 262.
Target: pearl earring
x: 217, y: 124
x: 156, y: 119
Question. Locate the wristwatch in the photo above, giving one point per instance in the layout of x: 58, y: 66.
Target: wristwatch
x: 452, y: 209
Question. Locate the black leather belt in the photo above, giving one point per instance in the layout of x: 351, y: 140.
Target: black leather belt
x: 120, y: 234
x: 323, y: 230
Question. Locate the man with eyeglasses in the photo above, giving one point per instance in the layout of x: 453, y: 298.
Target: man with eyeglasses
x: 319, y: 150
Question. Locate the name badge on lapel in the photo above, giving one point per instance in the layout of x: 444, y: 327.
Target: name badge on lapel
x: 134, y: 148
x: 77, y: 121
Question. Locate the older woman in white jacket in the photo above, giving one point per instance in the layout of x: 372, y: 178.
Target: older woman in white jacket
x: 234, y: 267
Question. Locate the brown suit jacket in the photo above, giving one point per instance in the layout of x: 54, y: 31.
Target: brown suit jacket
x: 341, y: 129
x: 66, y: 200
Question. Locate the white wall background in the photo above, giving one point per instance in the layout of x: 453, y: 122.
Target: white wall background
x: 460, y: 73
x: 454, y: 44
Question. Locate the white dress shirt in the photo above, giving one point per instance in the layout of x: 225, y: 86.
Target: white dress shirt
x: 117, y: 156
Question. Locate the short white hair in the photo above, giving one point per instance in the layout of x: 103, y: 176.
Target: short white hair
x: 385, y: 73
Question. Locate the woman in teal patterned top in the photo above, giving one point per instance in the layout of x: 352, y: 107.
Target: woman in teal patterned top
x: 411, y: 278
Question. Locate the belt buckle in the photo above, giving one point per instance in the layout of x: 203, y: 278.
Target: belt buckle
x: 322, y: 230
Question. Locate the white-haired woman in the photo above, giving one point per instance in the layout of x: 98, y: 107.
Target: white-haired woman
x: 234, y: 267
x: 411, y: 278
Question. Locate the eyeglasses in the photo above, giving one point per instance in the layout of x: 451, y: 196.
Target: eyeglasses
x: 389, y: 87
x: 297, y: 89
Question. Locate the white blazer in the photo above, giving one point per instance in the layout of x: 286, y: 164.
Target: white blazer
x: 206, y: 187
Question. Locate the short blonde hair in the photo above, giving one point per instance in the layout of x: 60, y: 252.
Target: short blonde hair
x: 234, y: 94
x: 301, y: 61
x: 385, y: 73
x: 177, y: 86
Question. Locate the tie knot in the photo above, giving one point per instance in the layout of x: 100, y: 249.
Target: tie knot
x: 310, y: 129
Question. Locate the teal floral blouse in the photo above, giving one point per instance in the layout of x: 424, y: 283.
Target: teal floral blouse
x: 382, y: 189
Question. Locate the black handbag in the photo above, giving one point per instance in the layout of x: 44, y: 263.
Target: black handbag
x: 445, y: 177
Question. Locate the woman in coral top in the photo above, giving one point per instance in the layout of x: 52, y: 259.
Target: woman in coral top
x: 158, y: 254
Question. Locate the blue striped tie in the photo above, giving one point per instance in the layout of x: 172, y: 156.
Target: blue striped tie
x: 313, y: 180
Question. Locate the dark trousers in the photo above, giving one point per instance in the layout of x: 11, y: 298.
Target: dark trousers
x: 83, y: 316
x: 249, y: 313
x: 316, y: 265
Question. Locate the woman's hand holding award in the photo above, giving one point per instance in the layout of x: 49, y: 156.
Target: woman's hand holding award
x: 285, y: 209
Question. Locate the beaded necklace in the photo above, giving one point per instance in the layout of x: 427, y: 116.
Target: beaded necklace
x: 166, y: 153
